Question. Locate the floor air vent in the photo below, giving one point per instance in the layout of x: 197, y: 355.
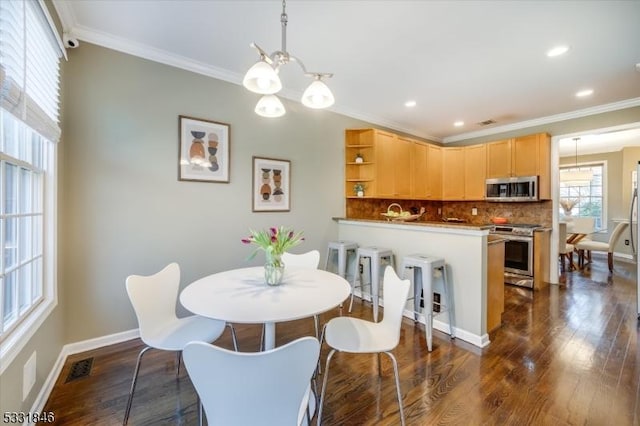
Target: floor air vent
x: 80, y: 369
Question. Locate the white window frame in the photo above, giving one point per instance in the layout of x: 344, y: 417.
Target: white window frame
x: 605, y: 187
x: 15, y: 340
x: 20, y: 334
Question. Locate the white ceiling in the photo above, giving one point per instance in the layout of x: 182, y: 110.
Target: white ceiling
x: 597, y: 143
x: 459, y: 60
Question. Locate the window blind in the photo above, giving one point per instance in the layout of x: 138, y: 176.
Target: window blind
x: 29, y: 66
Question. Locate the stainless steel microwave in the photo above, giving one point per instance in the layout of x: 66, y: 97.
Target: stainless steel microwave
x: 524, y: 188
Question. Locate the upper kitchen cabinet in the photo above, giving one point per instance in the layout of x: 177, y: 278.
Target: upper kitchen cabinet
x: 434, y: 172
x: 360, y: 161
x: 453, y: 174
x: 475, y: 172
x: 522, y: 156
x: 378, y: 160
x: 393, y: 157
x: 426, y: 171
x: 499, y: 159
x: 464, y: 173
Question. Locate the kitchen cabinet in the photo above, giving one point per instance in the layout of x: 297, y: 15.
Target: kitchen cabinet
x: 499, y: 159
x: 419, y: 170
x: 434, y: 172
x: 495, y: 282
x: 453, y: 173
x: 359, y: 161
x: 385, y: 168
x: 541, y: 265
x: 401, y: 166
x: 522, y: 156
x: 475, y: 172
x: 426, y: 171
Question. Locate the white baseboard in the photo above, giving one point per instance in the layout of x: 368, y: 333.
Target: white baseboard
x: 71, y: 349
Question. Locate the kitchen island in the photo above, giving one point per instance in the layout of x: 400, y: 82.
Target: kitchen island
x: 464, y: 248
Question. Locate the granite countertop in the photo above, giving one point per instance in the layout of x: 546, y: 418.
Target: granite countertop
x: 437, y: 224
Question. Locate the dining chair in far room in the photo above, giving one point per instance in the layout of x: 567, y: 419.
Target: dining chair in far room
x: 254, y: 388
x: 590, y: 245
x: 354, y: 335
x: 565, y: 250
x: 310, y: 260
x: 154, y: 301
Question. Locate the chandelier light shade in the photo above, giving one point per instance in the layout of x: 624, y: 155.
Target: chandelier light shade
x: 263, y: 78
x: 270, y: 106
x: 576, y: 177
x: 317, y: 95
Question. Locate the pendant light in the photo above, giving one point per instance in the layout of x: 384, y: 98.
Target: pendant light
x: 270, y: 106
x: 263, y: 78
x: 576, y: 177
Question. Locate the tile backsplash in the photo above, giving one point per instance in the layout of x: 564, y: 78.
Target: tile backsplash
x: 534, y: 213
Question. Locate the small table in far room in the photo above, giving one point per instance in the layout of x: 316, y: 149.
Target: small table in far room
x: 242, y: 296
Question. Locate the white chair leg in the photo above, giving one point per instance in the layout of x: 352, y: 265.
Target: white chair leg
x: 395, y: 371
x: 324, y: 327
x: 324, y: 385
x: 133, y: 385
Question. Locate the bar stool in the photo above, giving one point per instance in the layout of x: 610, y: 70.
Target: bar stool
x: 343, y: 249
x: 377, y: 256
x: 424, y: 268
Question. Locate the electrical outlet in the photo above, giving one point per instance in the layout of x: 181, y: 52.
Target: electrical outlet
x: 436, y: 302
x: 28, y: 376
x: 439, y: 211
x: 474, y: 212
x: 626, y: 242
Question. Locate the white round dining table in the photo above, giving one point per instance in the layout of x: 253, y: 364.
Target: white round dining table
x: 242, y: 296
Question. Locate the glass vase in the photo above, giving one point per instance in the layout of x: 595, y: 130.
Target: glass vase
x: 273, y: 269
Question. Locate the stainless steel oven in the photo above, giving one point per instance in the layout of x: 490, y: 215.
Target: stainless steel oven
x: 518, y: 253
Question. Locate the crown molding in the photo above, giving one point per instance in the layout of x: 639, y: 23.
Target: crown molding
x: 66, y: 15
x: 154, y: 54
x: 614, y: 106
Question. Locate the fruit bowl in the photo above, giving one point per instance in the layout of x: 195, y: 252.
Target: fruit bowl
x: 400, y: 215
x: 499, y: 220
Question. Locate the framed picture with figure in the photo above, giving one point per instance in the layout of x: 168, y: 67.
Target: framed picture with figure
x: 203, y: 150
x: 271, y: 188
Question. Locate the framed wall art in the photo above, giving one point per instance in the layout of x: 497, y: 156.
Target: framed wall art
x: 203, y: 150
x: 271, y: 188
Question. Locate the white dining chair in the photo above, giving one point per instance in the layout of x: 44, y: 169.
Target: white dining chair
x: 154, y: 301
x: 311, y: 260
x: 254, y: 388
x: 354, y: 335
x: 590, y: 245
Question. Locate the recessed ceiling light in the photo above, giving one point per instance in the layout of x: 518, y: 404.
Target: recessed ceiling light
x: 410, y: 104
x: 459, y: 123
x: 557, y: 51
x: 584, y: 93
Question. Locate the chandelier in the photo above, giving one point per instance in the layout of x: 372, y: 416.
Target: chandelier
x: 576, y: 177
x: 263, y: 78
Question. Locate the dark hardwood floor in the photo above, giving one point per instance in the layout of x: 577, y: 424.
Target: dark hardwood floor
x: 568, y: 355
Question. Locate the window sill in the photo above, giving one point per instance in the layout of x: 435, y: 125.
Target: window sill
x: 18, y: 339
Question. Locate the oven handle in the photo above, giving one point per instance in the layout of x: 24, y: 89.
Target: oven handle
x: 516, y: 237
